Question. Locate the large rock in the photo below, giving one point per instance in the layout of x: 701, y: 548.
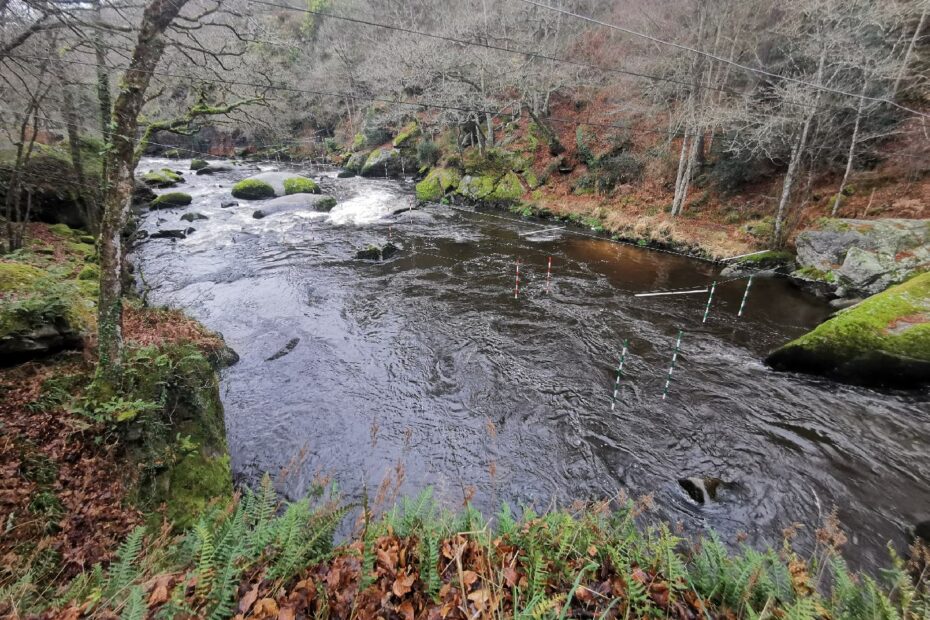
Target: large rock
x: 274, y: 180
x: 382, y: 163
x: 864, y: 256
x: 357, y: 161
x: 295, y: 202
x: 438, y: 183
x: 884, y: 341
x: 36, y: 318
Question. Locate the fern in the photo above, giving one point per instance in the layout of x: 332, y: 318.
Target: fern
x: 205, y: 567
x: 429, y: 561
x: 135, y: 608
x: 124, y: 571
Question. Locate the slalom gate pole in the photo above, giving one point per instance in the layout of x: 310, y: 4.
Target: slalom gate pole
x: 548, y: 274
x: 710, y: 298
x: 742, y: 304
x: 613, y: 403
x: 671, y: 368
x: 516, y: 289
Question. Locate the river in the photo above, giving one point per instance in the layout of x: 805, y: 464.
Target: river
x: 426, y: 370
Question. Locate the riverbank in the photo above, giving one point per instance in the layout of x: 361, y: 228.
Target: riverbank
x: 80, y: 472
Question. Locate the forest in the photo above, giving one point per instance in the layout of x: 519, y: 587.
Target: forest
x: 419, y: 309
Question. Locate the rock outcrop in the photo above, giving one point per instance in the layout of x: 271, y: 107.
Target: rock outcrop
x: 882, y: 341
x: 864, y: 257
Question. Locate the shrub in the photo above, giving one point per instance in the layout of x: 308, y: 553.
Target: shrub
x: 300, y: 185
x: 252, y: 189
x: 428, y: 153
x: 171, y: 200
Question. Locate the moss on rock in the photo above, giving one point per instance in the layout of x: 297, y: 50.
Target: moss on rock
x: 476, y: 187
x: 252, y: 189
x: 884, y: 340
x: 409, y: 131
x: 437, y: 184
x: 171, y: 200
x: 300, y: 185
x: 198, y: 164
x: 508, y: 189
x: 162, y: 178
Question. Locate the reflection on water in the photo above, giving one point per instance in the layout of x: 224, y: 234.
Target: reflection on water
x: 428, y: 361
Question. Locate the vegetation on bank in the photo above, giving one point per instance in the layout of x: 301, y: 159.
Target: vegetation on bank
x: 257, y: 559
x: 81, y: 467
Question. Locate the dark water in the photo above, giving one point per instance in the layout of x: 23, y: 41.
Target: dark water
x: 425, y: 369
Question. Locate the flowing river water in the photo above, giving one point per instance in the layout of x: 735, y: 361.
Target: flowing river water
x: 424, y: 370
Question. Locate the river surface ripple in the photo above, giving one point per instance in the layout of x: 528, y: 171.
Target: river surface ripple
x: 425, y: 370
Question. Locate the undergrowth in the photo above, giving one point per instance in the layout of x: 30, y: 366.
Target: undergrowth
x: 260, y: 559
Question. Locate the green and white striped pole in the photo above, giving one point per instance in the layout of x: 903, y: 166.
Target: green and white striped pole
x: 613, y: 403
x: 742, y: 304
x: 671, y: 369
x: 710, y: 298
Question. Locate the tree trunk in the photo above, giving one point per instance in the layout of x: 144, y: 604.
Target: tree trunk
x: 149, y: 48
x: 910, y: 50
x: 85, y: 195
x: 852, y: 153
x: 797, y: 152
x: 682, y: 164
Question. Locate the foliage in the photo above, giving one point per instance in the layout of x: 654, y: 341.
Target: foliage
x: 428, y: 153
x: 252, y: 189
x: 419, y: 559
x: 300, y: 185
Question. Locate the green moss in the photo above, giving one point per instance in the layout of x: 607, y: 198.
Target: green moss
x: 63, y: 230
x: 90, y: 272
x: 477, y: 188
x: 531, y: 179
x: 172, y: 200
x: 300, y: 185
x: 326, y: 204
x: 437, y: 184
x: 411, y: 130
x: 173, y: 154
x: 358, y: 142
x: 17, y: 277
x: 198, y: 164
x: 252, y: 189
x: 494, y: 162
x: 812, y: 273
x: 31, y: 297
x: 896, y: 321
x: 508, y: 189
x: 765, y: 258
x: 162, y: 178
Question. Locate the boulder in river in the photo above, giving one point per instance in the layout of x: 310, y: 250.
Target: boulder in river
x: 357, y: 161
x: 190, y: 217
x: 169, y: 233
x: 882, y: 341
x: 384, y: 163
x: 198, y: 164
x: 291, y: 344
x: 863, y: 257
x: 171, y: 200
x: 438, y: 183
x: 213, y: 169
x: 374, y: 252
x: 165, y: 177
x: 228, y: 203
x: 701, y: 490
x: 295, y: 202
x: 271, y: 184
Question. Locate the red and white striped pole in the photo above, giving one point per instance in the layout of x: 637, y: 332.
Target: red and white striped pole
x: 548, y: 274
x: 516, y: 289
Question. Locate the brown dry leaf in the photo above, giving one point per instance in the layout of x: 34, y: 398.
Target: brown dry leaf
x: 245, y: 603
x: 265, y: 609
x: 584, y: 595
x: 592, y: 551
x: 639, y: 575
x: 511, y: 576
x: 402, y: 584
x: 385, y: 560
x: 406, y: 610
x: 159, y: 593
x: 469, y: 577
x: 287, y: 613
x: 480, y: 598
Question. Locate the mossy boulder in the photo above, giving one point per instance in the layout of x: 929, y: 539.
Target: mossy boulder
x: 272, y: 184
x: 384, y: 162
x: 884, y: 340
x: 357, y: 161
x: 295, y: 202
x: 438, y: 183
x: 173, y: 154
x: 508, y: 189
x: 171, y: 200
x: 198, y: 164
x: 40, y: 313
x: 162, y: 178
x: 476, y: 187
x: 191, y: 217
x: 300, y: 185
x: 252, y: 189
x: 405, y: 135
